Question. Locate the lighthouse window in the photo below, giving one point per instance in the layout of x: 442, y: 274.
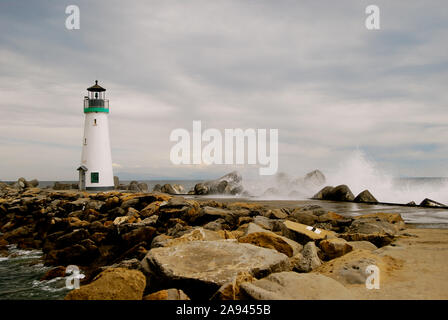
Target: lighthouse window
x: 85, y: 141
x: 94, y: 177
x: 94, y: 122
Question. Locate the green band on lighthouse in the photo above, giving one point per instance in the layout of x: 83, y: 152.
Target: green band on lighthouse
x: 87, y: 110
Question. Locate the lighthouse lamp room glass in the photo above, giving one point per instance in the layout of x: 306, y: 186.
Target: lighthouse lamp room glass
x: 95, y: 171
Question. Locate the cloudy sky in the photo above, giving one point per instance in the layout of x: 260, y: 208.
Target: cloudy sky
x: 307, y: 68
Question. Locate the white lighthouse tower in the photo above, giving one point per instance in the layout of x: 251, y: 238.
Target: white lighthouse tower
x: 95, y: 172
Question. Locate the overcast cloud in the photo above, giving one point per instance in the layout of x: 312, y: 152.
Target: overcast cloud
x: 308, y: 68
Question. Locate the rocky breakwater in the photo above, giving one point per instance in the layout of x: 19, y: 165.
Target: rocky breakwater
x: 158, y: 246
x: 343, y: 193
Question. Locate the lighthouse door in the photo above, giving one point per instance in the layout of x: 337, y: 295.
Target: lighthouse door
x: 82, y: 178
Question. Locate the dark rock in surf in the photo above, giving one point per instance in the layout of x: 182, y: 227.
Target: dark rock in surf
x: 431, y: 203
x: 365, y: 197
x: 339, y: 193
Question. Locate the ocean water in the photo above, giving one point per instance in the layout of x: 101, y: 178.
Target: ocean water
x: 20, y: 274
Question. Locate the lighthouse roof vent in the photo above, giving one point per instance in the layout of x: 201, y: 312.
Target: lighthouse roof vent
x: 96, y: 88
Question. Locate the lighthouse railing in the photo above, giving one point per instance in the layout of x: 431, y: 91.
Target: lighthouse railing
x: 96, y: 103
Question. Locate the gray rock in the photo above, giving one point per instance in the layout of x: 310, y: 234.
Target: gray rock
x: 200, y: 268
x: 230, y: 183
x: 431, y: 203
x: 264, y: 222
x: 168, y: 188
x: 365, y: 197
x: 339, y: 193
x: 295, y: 286
x: 308, y: 260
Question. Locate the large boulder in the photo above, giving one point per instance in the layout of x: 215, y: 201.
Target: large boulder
x: 339, y: 193
x: 378, y: 228
x: 112, y: 284
x: 296, y: 286
x: 365, y: 197
x: 230, y: 183
x: 200, y: 268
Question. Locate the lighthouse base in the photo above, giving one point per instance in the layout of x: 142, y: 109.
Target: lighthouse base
x: 100, y: 188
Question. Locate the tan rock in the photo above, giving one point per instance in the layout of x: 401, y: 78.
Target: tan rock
x: 351, y: 268
x: 200, y: 268
x: 268, y: 240
x: 334, y: 248
x: 112, y: 284
x: 366, y: 245
x: 167, y: 294
x: 303, y: 233
x: 152, y: 208
x: 296, y: 286
x: 232, y: 290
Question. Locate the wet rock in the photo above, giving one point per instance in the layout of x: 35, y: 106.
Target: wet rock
x: 201, y: 189
x: 339, y: 193
x: 58, y: 272
x: 230, y: 183
x: 200, y: 268
x: 365, y: 197
x: 324, y: 193
x: 431, y: 203
x: 70, y: 238
x: 112, y: 284
x: 145, y: 234
x: 167, y: 294
x: 178, y: 189
x: 168, y: 188
x: 295, y: 286
x: 179, y: 207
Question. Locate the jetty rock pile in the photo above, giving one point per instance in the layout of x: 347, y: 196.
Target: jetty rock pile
x: 229, y: 184
x: 343, y: 193
x: 159, y: 246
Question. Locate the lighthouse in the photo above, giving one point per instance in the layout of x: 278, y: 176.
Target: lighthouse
x: 95, y: 172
